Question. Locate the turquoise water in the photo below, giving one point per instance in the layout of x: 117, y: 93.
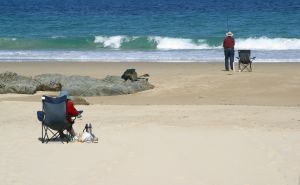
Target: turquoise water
x: 135, y: 30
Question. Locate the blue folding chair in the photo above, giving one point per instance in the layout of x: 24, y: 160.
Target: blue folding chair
x: 53, y: 118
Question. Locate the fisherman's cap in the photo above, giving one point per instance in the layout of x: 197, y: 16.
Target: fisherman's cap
x: 229, y: 34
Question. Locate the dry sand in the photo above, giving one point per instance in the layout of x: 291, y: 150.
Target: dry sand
x: 200, y: 125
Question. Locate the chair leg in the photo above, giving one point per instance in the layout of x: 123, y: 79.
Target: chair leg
x: 248, y: 67
x: 43, y: 134
x: 54, y: 135
x: 45, y: 137
x: 243, y: 67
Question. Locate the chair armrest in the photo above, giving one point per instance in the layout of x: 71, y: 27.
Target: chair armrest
x: 40, y: 115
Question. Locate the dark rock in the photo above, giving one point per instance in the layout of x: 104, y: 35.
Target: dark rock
x: 130, y: 74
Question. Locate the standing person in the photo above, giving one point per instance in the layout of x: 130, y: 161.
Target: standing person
x: 228, y: 46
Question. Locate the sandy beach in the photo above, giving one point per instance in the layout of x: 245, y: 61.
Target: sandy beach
x: 200, y: 125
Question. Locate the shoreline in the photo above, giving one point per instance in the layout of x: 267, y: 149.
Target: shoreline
x: 211, y: 61
x: 262, y: 54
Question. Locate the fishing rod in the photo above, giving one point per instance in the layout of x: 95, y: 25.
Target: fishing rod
x: 227, y: 24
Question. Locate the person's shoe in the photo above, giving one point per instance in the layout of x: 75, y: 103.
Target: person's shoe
x: 74, y: 139
x: 62, y: 136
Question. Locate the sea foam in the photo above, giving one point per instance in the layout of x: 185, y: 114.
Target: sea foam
x: 210, y: 55
x: 111, y: 42
x: 144, y: 48
x: 172, y: 43
x: 265, y: 43
x: 169, y: 43
x: 160, y: 43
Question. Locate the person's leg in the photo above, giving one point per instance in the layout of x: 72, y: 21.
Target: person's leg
x: 231, y: 58
x: 71, y: 131
x: 226, y: 53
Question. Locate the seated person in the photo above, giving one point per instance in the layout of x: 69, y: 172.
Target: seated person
x: 71, y: 112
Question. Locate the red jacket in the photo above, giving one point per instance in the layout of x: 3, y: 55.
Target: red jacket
x: 228, y: 42
x: 71, y: 111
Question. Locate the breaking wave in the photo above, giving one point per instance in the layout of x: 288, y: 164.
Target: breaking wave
x: 152, y: 42
x: 143, y: 48
x: 123, y: 42
x: 265, y: 43
x: 171, y: 43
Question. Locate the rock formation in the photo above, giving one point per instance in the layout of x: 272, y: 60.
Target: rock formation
x: 76, y: 85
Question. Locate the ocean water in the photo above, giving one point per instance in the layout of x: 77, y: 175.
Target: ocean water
x: 139, y: 30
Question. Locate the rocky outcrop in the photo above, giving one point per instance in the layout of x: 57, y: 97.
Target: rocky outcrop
x: 76, y: 85
x: 13, y: 83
